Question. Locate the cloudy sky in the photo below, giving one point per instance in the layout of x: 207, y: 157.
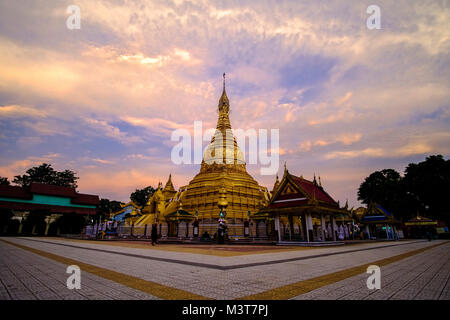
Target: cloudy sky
x: 103, y: 100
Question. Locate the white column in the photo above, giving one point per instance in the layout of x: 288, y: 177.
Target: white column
x: 367, y: 231
x: 310, y: 225
x: 21, y: 224
x: 48, y: 220
x: 322, y: 225
x: 308, y: 220
x: 333, y: 227
x: 277, y: 227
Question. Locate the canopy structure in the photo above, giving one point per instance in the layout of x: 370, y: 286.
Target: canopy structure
x: 380, y: 223
x: 47, y: 198
x: 421, y: 221
x: 376, y: 214
x: 129, y: 210
x: 180, y: 215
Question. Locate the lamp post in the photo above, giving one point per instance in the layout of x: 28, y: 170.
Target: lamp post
x: 196, y: 224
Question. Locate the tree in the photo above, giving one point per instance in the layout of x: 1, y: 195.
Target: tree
x: 385, y: 188
x: 47, y: 175
x: 427, y: 184
x: 422, y: 191
x: 106, y: 206
x: 4, y: 181
x: 141, y: 196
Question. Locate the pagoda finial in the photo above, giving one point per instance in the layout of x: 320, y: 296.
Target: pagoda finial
x: 277, y: 182
x: 285, y: 169
x: 320, y: 182
x: 224, y: 108
x: 224, y: 81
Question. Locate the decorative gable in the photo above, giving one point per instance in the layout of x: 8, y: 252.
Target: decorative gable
x: 288, y: 189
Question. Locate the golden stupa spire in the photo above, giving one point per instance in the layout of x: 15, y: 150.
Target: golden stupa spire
x: 169, y: 184
x: 223, y: 123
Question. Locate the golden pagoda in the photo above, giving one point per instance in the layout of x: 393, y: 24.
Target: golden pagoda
x: 223, y: 184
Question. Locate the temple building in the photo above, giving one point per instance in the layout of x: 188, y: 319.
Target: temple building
x: 380, y: 223
x: 304, y: 212
x: 43, y: 209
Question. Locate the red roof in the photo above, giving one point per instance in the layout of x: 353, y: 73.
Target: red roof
x: 313, y: 190
x: 51, y: 190
x: 15, y: 192
x: 87, y: 199
x: 49, y: 208
x: 309, y: 190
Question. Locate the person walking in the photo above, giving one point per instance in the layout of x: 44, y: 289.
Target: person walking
x: 154, y: 234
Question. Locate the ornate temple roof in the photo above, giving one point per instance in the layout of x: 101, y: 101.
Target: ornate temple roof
x: 313, y: 190
x: 375, y: 213
x: 293, y: 192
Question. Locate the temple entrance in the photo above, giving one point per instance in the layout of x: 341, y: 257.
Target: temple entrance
x: 317, y: 228
x: 182, y: 229
x: 261, y: 229
x: 173, y: 229
x: 293, y: 228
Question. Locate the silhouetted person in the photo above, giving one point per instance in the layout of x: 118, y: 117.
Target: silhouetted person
x: 154, y: 234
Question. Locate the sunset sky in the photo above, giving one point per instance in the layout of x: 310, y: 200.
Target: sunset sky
x: 103, y: 100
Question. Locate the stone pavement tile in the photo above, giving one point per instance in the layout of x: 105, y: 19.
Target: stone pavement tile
x: 203, y: 280
x: 432, y: 268
x: 46, y: 279
x: 445, y: 294
x: 404, y: 279
x: 3, y: 292
x: 434, y: 288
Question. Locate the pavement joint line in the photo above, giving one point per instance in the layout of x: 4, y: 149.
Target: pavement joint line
x: 301, y: 287
x: 150, y: 287
x: 189, y: 248
x: 219, y: 267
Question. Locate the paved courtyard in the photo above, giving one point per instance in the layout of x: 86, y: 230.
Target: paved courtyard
x: 35, y: 268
